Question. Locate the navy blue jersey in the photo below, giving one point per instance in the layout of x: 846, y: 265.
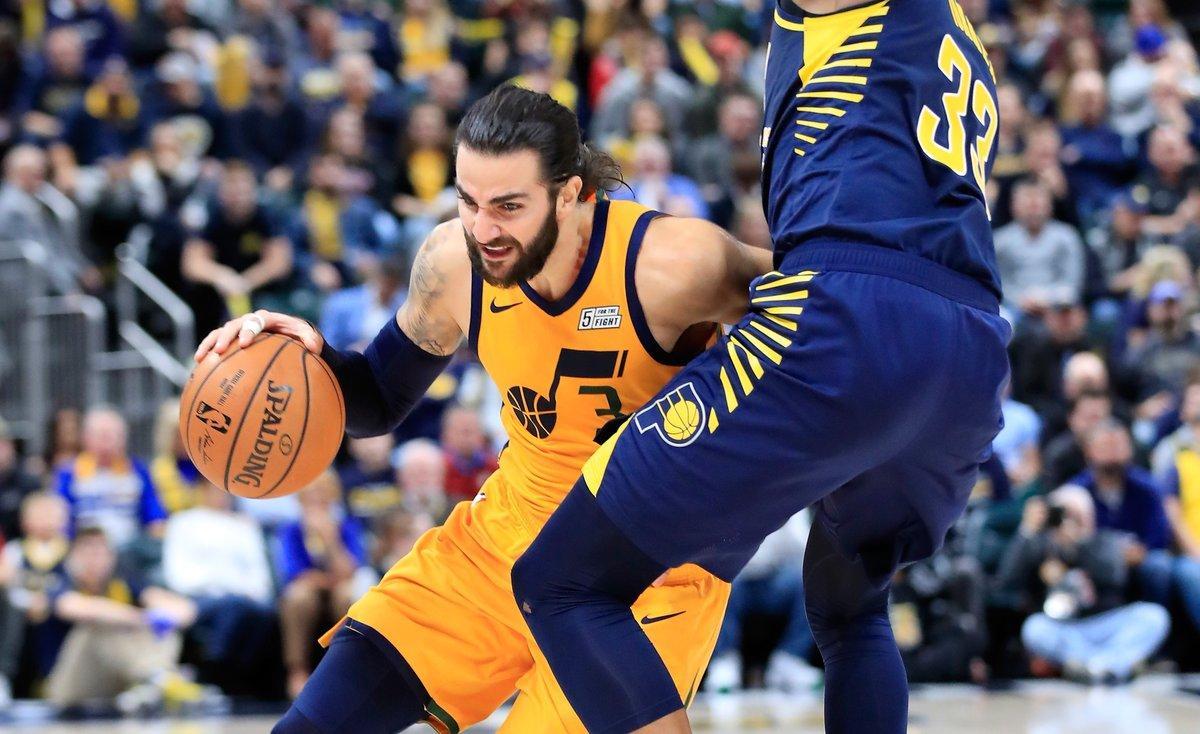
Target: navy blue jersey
x: 880, y: 128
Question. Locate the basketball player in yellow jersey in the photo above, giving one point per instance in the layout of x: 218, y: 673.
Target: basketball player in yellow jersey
x: 580, y: 310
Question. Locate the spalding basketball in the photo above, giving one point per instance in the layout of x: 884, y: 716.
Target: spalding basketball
x: 263, y: 421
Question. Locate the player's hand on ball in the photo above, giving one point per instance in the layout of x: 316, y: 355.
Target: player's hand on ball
x: 244, y: 328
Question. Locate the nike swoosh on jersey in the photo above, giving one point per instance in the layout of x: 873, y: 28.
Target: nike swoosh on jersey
x: 651, y: 620
x: 500, y: 309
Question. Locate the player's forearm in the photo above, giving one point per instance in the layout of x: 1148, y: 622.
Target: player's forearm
x: 381, y: 385
x: 275, y: 264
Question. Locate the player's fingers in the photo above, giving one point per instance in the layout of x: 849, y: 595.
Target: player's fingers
x: 252, y: 325
x: 206, y: 345
x: 226, y: 334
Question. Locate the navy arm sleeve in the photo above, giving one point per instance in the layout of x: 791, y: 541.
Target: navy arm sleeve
x: 382, y: 384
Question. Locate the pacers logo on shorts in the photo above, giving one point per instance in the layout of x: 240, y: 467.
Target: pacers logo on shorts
x: 678, y: 416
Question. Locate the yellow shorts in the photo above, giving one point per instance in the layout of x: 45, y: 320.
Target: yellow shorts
x: 448, y: 608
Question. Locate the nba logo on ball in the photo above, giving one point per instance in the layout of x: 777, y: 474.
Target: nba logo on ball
x: 678, y: 416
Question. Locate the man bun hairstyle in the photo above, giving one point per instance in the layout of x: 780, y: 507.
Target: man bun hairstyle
x: 511, y: 119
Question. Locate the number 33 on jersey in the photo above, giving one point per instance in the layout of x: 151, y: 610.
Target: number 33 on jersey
x: 881, y: 124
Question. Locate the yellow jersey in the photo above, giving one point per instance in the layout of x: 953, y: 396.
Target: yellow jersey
x: 572, y: 370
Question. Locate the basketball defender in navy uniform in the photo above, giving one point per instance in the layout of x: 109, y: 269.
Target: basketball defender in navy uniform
x: 865, y: 381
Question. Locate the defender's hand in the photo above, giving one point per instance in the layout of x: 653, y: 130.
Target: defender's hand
x: 245, y: 328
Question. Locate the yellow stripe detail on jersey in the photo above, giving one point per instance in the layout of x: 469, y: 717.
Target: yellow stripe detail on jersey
x: 864, y: 30
x: 860, y: 46
x: 712, y: 420
x: 838, y: 79
x: 805, y: 138
x: 843, y: 96
x: 785, y: 323
x: 751, y: 358
x: 774, y: 336
x: 809, y: 123
x: 843, y: 63
x: 835, y: 111
x: 798, y: 151
x: 743, y: 376
x: 786, y: 310
x: 802, y: 277
x: 789, y: 296
x: 731, y: 402
x: 768, y: 352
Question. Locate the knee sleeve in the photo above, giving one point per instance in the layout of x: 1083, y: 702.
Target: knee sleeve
x: 362, y: 686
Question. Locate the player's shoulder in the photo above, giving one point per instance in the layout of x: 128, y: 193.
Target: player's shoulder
x: 682, y: 246
x: 444, y: 252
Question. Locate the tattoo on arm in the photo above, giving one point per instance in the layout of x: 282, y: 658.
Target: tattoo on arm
x: 429, y: 326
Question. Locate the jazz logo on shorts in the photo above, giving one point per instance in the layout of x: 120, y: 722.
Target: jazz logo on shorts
x: 678, y: 416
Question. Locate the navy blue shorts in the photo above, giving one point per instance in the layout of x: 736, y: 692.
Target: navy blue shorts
x: 865, y: 382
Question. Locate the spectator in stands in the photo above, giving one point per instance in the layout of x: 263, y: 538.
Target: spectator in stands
x: 176, y: 478
x: 33, y: 209
x: 1121, y: 243
x: 30, y: 567
x: 1176, y: 464
x: 368, y: 480
x: 1017, y: 444
x: 169, y: 27
x: 1130, y: 81
x: 771, y: 583
x: 649, y: 77
x: 270, y: 26
x: 272, y: 131
x: 449, y: 89
x: 396, y: 534
x: 1159, y: 366
x: 218, y: 558
x: 423, y: 187
x: 1097, y: 160
x: 314, y: 66
x: 938, y: 617
x: 338, y: 232
x: 368, y: 92
x: 469, y: 458
x: 124, y: 641
x: 1041, y: 347
x: 181, y: 98
x: 110, y: 122
x: 421, y: 473
x: 351, y: 317
x: 652, y: 184
x: 97, y: 25
x: 721, y: 164
x: 321, y: 557
x: 1038, y: 257
x: 1070, y: 577
x: 239, y: 253
x: 53, y: 88
x: 1163, y: 186
x: 1127, y: 499
x: 1064, y: 456
x: 15, y: 484
x: 106, y: 487
x: 730, y: 53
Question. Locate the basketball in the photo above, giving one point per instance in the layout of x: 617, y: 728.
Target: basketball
x: 263, y: 421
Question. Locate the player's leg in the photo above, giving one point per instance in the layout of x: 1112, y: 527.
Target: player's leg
x: 438, y: 618
x: 681, y: 617
x: 362, y: 685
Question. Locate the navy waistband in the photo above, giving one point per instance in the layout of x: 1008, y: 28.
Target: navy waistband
x: 875, y: 260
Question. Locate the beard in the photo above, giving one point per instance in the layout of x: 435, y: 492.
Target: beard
x: 530, y: 260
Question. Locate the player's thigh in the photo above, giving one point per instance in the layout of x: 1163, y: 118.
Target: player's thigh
x: 444, y: 609
x: 682, y: 618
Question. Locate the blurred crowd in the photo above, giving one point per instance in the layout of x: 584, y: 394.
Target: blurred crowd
x: 292, y: 155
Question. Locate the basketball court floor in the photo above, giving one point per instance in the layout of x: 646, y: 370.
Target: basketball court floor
x: 1152, y: 705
